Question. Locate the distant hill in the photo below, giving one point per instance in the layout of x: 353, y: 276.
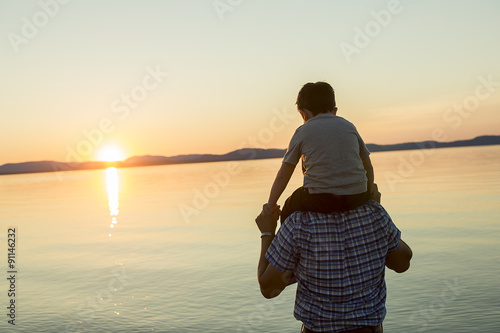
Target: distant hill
x: 479, y: 141
x: 237, y: 155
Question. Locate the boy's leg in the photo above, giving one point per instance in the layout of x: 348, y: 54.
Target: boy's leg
x: 296, y: 202
x: 329, y: 203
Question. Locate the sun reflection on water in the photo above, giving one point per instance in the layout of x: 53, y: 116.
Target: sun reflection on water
x: 112, y: 185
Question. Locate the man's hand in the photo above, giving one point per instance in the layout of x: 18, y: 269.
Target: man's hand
x: 268, y: 218
x: 271, y: 280
x: 399, y: 260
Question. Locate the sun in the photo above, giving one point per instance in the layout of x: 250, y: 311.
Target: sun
x: 110, y: 154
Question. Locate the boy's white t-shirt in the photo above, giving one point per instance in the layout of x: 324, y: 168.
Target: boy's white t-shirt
x: 331, y: 150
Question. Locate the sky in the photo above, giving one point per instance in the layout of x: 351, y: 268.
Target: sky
x: 171, y: 77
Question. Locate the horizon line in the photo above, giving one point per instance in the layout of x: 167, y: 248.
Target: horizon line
x: 80, y: 165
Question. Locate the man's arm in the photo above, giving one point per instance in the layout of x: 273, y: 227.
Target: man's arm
x: 271, y: 280
x: 367, y: 164
x: 279, y: 185
x: 399, y: 260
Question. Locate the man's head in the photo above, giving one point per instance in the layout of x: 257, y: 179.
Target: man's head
x: 317, y: 98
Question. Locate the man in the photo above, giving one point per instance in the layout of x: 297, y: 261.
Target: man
x: 338, y: 260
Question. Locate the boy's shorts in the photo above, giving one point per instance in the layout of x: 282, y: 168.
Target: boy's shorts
x: 302, y: 200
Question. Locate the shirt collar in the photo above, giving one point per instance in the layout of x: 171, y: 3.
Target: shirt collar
x: 323, y: 115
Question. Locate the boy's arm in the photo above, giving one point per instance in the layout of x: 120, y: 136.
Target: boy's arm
x: 279, y: 185
x: 367, y: 164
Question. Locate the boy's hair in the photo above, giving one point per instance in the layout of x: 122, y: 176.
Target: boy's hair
x: 316, y: 97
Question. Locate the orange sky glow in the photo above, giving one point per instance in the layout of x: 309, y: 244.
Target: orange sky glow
x: 167, y: 78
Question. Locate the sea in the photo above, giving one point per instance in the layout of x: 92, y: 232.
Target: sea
x: 174, y: 248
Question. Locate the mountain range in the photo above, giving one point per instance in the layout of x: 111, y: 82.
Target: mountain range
x: 237, y: 155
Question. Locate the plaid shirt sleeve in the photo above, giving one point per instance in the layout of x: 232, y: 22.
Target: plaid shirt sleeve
x: 393, y: 237
x: 282, y: 253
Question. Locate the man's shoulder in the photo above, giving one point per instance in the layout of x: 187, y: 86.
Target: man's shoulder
x: 368, y: 212
x: 299, y: 219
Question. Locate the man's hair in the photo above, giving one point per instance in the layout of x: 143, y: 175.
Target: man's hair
x: 316, y: 97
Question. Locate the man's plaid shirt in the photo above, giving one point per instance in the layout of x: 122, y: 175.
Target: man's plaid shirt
x: 339, y: 262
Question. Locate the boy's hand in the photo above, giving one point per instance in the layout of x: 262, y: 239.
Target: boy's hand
x: 271, y: 209
x: 268, y: 218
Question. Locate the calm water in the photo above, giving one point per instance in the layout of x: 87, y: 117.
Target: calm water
x: 175, y: 248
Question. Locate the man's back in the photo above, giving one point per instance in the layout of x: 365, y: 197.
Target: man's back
x: 339, y: 262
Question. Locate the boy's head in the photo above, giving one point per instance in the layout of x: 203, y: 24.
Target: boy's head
x: 316, y: 97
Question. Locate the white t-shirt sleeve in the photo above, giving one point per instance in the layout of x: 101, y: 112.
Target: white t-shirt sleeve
x: 293, y: 153
x: 363, y: 151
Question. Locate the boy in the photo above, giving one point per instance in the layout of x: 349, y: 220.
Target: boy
x: 338, y: 174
